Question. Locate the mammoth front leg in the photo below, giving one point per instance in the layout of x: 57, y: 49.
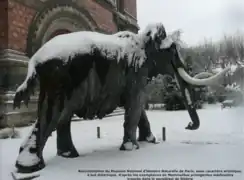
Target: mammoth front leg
x: 145, y: 133
x: 188, y: 96
x: 65, y: 146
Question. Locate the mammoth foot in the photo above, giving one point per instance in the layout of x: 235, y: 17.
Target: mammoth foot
x: 150, y: 139
x: 68, y: 154
x: 30, y: 169
x: 192, y: 126
x: 129, y: 146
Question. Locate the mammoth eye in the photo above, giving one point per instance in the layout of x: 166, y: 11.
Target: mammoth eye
x: 162, y: 34
x: 148, y: 33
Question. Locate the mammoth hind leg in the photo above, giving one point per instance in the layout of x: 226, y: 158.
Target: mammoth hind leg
x: 145, y: 133
x: 30, y: 158
x: 65, y: 146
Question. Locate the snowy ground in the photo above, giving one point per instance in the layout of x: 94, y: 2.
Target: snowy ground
x: 217, y: 145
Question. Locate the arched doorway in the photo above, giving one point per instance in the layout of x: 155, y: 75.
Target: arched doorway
x: 55, y: 20
x: 58, y: 32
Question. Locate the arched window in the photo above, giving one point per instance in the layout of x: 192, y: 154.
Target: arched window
x: 58, y: 32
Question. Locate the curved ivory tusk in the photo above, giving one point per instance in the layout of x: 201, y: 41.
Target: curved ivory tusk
x: 202, y: 82
x: 206, y: 75
x: 202, y: 75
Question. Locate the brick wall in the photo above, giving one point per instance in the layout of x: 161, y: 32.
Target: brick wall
x: 3, y: 24
x: 102, y: 16
x: 19, y: 19
x: 130, y: 7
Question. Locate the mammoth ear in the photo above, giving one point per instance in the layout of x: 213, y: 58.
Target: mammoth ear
x: 172, y: 38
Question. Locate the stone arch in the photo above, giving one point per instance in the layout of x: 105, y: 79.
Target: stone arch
x: 55, y: 16
x: 55, y: 33
x: 60, y: 26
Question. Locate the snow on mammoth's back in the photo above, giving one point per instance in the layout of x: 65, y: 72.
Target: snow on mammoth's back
x: 66, y: 46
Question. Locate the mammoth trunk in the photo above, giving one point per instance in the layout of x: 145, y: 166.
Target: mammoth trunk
x: 187, y: 93
x: 184, y: 82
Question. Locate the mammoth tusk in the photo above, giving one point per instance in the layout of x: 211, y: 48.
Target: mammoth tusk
x: 202, y: 82
x: 203, y: 75
x: 206, y: 75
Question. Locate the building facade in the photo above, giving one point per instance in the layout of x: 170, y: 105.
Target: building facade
x: 25, y: 25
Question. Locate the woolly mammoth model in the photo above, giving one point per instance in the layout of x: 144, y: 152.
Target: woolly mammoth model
x: 90, y: 74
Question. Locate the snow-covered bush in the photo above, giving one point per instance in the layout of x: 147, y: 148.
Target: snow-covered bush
x: 234, y: 92
x: 233, y: 88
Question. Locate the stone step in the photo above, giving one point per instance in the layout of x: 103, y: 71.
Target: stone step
x: 16, y: 117
x: 26, y: 115
x: 8, y: 53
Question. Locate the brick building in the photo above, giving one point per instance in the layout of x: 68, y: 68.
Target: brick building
x: 26, y: 24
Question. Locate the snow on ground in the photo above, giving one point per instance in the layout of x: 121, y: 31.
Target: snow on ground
x: 217, y: 145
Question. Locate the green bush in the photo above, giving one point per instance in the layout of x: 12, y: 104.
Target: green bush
x: 199, y: 104
x: 174, y: 101
x: 221, y: 98
x: 211, y: 99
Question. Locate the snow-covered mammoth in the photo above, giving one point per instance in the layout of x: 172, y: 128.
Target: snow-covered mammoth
x: 90, y: 74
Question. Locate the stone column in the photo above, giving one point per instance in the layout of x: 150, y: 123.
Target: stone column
x: 16, y: 18
x: 13, y: 68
